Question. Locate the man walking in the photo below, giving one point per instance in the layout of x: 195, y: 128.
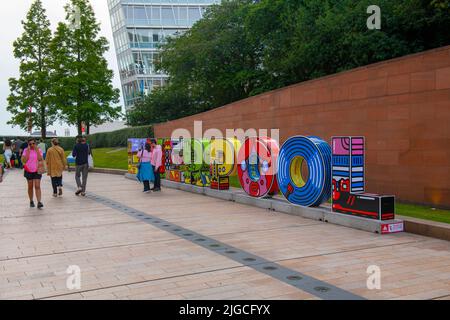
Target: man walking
x: 81, y: 153
x: 156, y: 164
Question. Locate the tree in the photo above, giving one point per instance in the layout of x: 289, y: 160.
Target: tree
x: 32, y: 88
x: 303, y: 40
x: 82, y: 81
x: 214, y: 59
x: 162, y: 105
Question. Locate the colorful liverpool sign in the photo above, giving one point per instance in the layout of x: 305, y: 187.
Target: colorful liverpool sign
x: 305, y: 169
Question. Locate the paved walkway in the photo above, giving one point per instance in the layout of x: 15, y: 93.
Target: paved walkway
x: 130, y: 245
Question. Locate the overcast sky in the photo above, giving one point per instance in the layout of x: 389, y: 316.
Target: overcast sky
x: 11, y: 15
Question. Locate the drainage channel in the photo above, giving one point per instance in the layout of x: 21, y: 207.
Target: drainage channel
x: 294, y: 278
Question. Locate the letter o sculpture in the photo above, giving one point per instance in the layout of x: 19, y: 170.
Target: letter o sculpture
x: 314, y: 190
x: 257, y: 160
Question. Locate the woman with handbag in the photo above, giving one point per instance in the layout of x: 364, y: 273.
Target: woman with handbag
x: 56, y: 163
x: 34, y: 167
x: 145, y: 172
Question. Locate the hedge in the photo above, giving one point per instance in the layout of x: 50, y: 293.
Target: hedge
x: 119, y: 138
x: 111, y: 139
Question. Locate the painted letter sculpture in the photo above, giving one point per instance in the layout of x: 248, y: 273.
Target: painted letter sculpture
x: 306, y: 170
x: 349, y: 183
x: 257, y: 161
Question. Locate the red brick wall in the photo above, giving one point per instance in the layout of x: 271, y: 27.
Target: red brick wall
x: 401, y: 106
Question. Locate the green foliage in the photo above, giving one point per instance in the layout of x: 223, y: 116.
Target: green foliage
x: 113, y: 139
x: 163, y: 104
x: 242, y: 48
x: 119, y: 138
x: 109, y: 158
x: 32, y: 88
x: 82, y: 82
x: 62, y: 78
x: 422, y: 212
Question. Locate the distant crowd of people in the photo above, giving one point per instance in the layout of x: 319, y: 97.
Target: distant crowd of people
x: 36, y: 160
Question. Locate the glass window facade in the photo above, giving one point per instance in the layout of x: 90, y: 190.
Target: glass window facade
x: 139, y: 28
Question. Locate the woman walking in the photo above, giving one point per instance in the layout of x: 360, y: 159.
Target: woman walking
x: 33, y: 160
x: 145, y: 173
x: 7, y: 148
x: 56, y: 163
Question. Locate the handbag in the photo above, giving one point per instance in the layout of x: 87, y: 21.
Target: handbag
x: 140, y: 160
x: 42, y: 166
x: 90, y: 158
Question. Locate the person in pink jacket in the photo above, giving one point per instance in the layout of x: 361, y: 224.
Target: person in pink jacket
x: 156, y: 164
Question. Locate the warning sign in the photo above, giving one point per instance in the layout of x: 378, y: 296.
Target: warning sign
x: 392, y: 227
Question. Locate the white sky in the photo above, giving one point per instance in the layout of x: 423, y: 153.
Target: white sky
x: 11, y: 15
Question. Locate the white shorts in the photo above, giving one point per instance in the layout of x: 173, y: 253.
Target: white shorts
x: 8, y: 155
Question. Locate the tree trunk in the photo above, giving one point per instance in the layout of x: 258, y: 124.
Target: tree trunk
x: 80, y: 131
x: 43, y: 121
x: 43, y: 131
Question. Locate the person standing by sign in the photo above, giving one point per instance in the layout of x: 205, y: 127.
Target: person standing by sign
x: 81, y: 153
x: 156, y: 164
x: 145, y: 169
x: 33, y: 160
x: 56, y: 163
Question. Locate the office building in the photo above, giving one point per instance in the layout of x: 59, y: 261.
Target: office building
x: 139, y: 27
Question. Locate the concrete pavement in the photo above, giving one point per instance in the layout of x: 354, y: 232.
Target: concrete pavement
x: 124, y: 256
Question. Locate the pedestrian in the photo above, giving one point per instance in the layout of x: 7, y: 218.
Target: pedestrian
x: 156, y: 164
x: 43, y: 147
x: 23, y: 147
x: 81, y: 153
x: 32, y: 158
x: 17, y: 151
x: 1, y: 173
x: 145, y: 173
x: 7, y: 148
x: 56, y: 163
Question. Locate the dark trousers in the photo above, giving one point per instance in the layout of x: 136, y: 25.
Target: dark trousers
x: 81, y: 171
x: 19, y: 160
x: 56, y: 182
x: 146, y: 185
x: 157, y: 179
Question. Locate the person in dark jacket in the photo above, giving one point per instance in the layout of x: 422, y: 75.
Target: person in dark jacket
x: 81, y: 153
